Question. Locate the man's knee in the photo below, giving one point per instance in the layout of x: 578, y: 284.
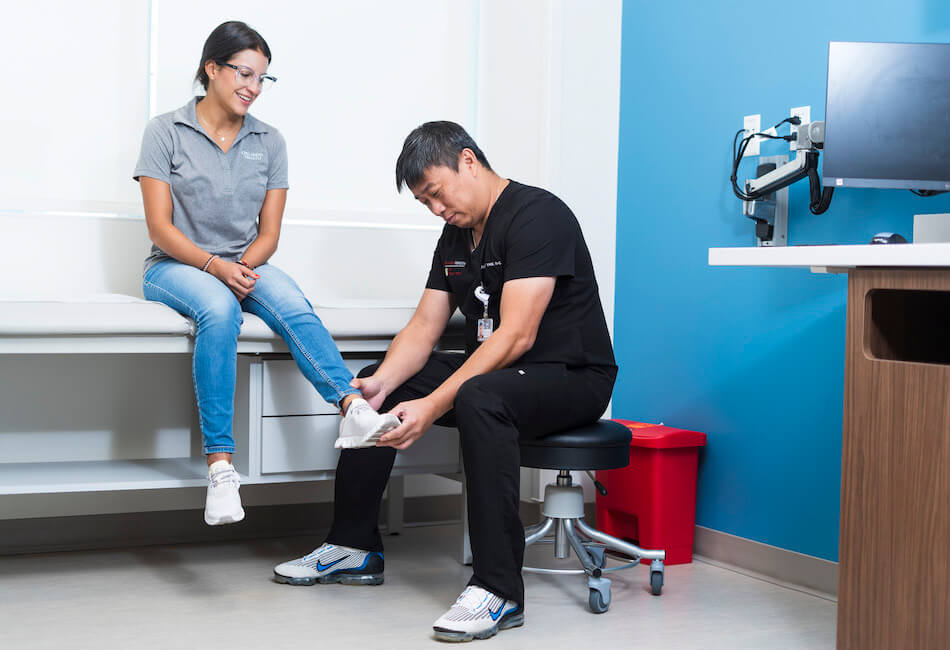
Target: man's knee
x: 475, y: 395
x: 369, y: 370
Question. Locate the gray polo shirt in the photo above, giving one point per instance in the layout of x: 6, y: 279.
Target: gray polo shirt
x: 216, y: 196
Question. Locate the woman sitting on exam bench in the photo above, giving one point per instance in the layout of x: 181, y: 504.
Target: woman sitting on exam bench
x: 214, y: 184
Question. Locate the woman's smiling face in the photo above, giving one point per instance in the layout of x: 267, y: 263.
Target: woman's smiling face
x: 230, y: 87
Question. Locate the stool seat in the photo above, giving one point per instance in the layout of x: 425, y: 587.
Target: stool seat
x: 599, y: 445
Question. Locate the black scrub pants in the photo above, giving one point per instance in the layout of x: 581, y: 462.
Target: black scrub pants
x: 492, y: 411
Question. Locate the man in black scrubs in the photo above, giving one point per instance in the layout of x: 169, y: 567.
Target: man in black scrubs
x: 538, y: 359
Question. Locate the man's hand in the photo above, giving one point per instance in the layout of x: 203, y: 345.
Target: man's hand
x: 239, y: 279
x: 372, y: 389
x: 417, y: 416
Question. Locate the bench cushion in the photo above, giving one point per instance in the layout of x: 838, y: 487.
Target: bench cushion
x: 118, y: 315
x: 356, y: 319
x: 98, y: 315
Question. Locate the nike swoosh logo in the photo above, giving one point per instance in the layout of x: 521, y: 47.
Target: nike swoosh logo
x: 324, y: 567
x: 495, y: 615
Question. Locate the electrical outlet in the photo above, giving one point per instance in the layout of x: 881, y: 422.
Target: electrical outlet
x: 752, y: 124
x: 803, y: 112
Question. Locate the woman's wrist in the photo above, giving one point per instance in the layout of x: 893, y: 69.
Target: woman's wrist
x: 244, y: 263
x: 207, y: 265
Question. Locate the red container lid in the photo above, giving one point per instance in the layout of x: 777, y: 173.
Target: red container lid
x: 657, y: 436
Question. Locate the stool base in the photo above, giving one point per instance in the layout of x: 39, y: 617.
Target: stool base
x: 564, y: 515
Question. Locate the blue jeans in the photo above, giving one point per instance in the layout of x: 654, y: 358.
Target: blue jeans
x: 279, y: 302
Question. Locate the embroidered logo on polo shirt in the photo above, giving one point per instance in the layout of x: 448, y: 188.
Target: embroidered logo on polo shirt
x: 253, y: 155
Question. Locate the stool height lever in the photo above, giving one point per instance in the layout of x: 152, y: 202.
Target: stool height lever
x: 597, y: 484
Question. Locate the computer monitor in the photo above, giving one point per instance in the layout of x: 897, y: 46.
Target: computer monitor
x: 887, y: 116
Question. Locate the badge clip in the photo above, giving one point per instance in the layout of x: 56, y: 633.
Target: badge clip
x: 485, y: 324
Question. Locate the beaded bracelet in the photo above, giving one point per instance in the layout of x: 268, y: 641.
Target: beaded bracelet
x: 208, y: 263
x: 245, y: 265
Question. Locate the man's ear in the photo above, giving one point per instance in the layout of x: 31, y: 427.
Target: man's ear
x: 467, y: 160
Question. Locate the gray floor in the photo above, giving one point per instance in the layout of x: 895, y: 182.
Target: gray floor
x: 221, y: 596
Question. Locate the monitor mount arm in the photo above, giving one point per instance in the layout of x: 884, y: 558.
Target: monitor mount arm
x: 791, y: 172
x: 759, y: 201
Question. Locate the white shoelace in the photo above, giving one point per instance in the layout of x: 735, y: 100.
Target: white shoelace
x: 228, y: 475
x: 358, y: 407
x: 317, y: 551
x: 472, y: 598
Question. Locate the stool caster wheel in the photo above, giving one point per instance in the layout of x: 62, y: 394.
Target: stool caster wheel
x: 656, y: 583
x: 599, y: 596
x: 596, y: 602
x: 656, y: 577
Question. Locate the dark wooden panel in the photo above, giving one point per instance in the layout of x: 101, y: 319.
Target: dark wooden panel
x: 894, y: 572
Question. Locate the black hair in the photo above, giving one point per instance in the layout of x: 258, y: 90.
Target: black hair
x: 433, y: 144
x: 225, y: 41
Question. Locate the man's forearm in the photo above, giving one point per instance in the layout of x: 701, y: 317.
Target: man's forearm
x: 500, y: 350
x: 405, y: 357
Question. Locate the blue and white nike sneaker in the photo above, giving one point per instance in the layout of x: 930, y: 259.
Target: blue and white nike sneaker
x: 333, y: 564
x: 477, y: 614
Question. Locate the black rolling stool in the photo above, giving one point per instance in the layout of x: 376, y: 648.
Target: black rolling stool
x: 600, y: 445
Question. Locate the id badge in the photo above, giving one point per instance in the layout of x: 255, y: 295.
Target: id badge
x: 484, y: 329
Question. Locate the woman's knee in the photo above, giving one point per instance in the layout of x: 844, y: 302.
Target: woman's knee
x: 277, y: 292
x: 219, y: 310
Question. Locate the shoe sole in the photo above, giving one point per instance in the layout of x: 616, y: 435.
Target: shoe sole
x: 370, y: 440
x: 224, y: 520
x: 352, y: 579
x: 454, y: 636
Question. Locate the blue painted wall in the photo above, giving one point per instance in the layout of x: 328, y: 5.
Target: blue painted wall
x: 753, y: 357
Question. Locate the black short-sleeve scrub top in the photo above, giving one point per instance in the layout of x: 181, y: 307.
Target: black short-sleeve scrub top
x: 529, y: 233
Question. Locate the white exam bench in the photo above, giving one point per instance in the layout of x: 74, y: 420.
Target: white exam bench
x: 103, y: 323
x: 283, y: 430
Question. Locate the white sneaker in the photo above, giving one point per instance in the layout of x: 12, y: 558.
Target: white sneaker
x: 477, y: 614
x: 223, y: 503
x: 362, y: 426
x: 331, y: 564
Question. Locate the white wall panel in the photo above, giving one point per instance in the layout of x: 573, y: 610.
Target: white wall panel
x: 512, y: 87
x: 353, y: 79
x: 74, y: 95
x: 582, y: 158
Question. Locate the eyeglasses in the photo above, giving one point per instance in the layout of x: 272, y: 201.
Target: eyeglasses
x: 248, y: 77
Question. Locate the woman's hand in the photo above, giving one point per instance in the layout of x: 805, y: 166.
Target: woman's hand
x: 239, y: 279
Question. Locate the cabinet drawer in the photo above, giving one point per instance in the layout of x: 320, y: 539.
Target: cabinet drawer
x: 305, y: 444
x: 299, y: 443
x: 287, y: 391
